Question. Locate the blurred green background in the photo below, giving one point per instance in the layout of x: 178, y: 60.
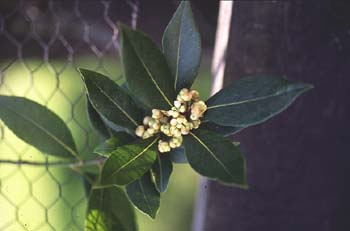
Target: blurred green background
x: 45, y: 199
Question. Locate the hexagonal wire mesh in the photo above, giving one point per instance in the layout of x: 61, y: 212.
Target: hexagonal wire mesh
x: 43, y: 42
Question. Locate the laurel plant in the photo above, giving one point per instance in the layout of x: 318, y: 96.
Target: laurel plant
x: 154, y: 120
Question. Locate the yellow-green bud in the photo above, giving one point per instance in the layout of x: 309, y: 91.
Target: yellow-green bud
x: 151, y: 131
x: 146, y: 135
x: 146, y: 120
x: 140, y: 130
x: 196, y: 123
x: 175, y: 142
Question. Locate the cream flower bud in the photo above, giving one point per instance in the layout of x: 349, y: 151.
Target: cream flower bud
x: 146, y: 120
x: 173, y: 122
x: 177, y: 104
x: 182, y: 109
x: 185, y: 95
x: 163, y: 146
x: 194, y: 117
x: 156, y: 114
x: 175, y: 142
x: 195, y: 95
x: 140, y: 130
x: 185, y: 131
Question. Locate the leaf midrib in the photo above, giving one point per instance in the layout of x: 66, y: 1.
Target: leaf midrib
x: 252, y: 100
x: 52, y: 136
x: 212, y: 154
x: 115, y: 103
x: 144, y: 196
x: 134, y: 158
x: 151, y: 76
x: 178, y: 48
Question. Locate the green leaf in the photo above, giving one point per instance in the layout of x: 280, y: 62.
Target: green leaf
x: 37, y: 125
x: 215, y: 157
x: 177, y: 155
x: 144, y: 195
x: 182, y: 46
x: 118, y: 139
x: 129, y: 162
x: 161, y: 171
x: 146, y: 69
x: 96, y: 121
x: 110, y: 100
x: 222, y: 130
x: 109, y: 209
x: 252, y: 100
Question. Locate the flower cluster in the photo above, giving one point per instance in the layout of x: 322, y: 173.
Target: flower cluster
x: 173, y: 124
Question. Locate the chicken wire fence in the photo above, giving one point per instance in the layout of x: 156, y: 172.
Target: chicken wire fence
x: 42, y: 44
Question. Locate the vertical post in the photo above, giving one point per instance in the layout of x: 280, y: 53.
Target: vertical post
x: 217, y: 69
x: 298, y: 162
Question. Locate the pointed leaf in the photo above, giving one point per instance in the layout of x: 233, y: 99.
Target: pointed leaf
x: 129, y: 162
x: 222, y: 130
x: 37, y: 125
x: 109, y: 209
x: 161, y: 171
x: 252, y: 100
x: 110, y: 100
x: 146, y: 69
x: 182, y: 46
x: 177, y: 155
x: 96, y: 121
x: 215, y: 157
x: 144, y: 195
x: 118, y: 139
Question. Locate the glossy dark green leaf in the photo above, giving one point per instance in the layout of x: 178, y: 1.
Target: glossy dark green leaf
x: 252, y: 100
x: 182, y: 46
x: 111, y: 100
x: 177, y: 155
x: 146, y: 69
x: 109, y: 209
x: 144, y: 195
x: 161, y: 171
x: 215, y: 157
x: 96, y: 121
x: 129, y: 162
x: 37, y: 125
x: 108, y: 146
x: 222, y: 130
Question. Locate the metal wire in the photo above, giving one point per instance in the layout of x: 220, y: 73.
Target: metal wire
x: 42, y: 45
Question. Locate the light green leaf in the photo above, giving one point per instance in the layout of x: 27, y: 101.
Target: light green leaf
x: 108, y: 146
x: 215, y: 157
x: 110, y: 100
x: 146, y: 69
x: 252, y: 100
x: 182, y: 46
x: 129, y: 162
x: 109, y: 209
x: 37, y: 125
x: 161, y: 171
x: 144, y: 195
